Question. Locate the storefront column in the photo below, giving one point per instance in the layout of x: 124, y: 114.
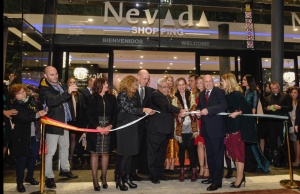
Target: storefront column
x: 277, y: 42
x: 224, y: 62
x: 5, y: 33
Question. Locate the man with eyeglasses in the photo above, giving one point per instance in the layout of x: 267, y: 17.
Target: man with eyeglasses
x: 161, y: 129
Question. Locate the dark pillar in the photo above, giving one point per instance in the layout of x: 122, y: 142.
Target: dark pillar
x: 5, y: 33
x: 277, y: 42
x: 224, y: 62
x: 49, y: 19
x: 111, y: 68
x: 296, y: 71
x: 236, y: 67
x: 197, y: 63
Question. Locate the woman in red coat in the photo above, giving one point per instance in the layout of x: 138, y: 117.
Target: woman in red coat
x: 199, y: 141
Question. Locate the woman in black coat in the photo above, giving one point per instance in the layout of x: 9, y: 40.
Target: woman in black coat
x: 102, y: 115
x: 127, y: 138
x: 79, y: 110
x: 26, y: 133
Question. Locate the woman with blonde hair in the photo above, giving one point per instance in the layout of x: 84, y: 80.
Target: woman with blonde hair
x: 186, y: 128
x: 127, y: 138
x: 239, y: 129
x: 199, y: 141
x: 172, y: 149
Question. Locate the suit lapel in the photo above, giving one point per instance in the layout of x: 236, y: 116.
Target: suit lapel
x: 203, y: 98
x: 146, y: 94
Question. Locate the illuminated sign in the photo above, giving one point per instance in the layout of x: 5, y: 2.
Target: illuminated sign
x: 168, y: 22
x: 80, y: 73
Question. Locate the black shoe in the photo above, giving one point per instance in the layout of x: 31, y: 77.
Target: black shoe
x: 207, y: 181
x: 229, y: 174
x: 68, y: 174
x: 163, y: 177
x: 155, y: 180
x: 135, y: 177
x: 127, y: 179
x: 21, y: 188
x: 243, y: 180
x: 120, y: 183
x: 214, y: 187
x: 104, y: 185
x: 50, y: 183
x: 31, y: 181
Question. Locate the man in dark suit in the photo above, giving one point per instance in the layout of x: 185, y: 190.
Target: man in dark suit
x: 278, y: 103
x: 161, y: 129
x: 143, y: 95
x: 211, y: 102
x: 86, y: 93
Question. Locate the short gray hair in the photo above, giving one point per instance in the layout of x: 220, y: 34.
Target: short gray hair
x: 160, y: 81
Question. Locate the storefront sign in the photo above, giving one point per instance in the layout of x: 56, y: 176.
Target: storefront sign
x: 168, y: 21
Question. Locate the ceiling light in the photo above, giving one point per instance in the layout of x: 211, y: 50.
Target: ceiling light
x: 296, y: 29
x: 197, y: 24
x: 194, y: 67
x: 171, y: 63
x: 141, y: 63
x: 168, y: 67
x: 116, y: 70
x: 239, y: 59
x: 37, y: 60
x: 207, y: 58
x: 214, y: 72
x: 144, y: 22
x: 24, y: 34
x: 137, y: 4
x: 142, y: 56
x: 25, y: 54
x: 45, y: 65
x: 291, y: 67
x: 88, y: 61
x: 165, y: 76
x: 166, y: 71
x: 266, y: 60
x: 200, y: 63
x: 107, y: 55
x: 114, y: 66
x: 264, y: 69
x: 90, y: 20
x: 175, y: 57
x: 141, y: 67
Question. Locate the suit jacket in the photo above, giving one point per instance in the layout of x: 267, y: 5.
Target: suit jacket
x: 54, y: 100
x: 162, y: 122
x: 145, y: 104
x: 212, y: 125
x: 284, y: 101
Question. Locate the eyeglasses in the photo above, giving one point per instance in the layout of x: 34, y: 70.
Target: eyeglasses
x: 165, y: 87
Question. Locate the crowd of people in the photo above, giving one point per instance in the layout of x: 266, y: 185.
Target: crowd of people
x: 182, y: 121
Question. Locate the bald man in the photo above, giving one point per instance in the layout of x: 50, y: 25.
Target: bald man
x: 57, y: 97
x: 211, y: 102
x: 143, y: 96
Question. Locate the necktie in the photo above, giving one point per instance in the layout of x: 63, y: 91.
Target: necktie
x: 206, y: 96
x: 142, y: 94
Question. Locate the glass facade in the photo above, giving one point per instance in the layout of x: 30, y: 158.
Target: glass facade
x: 107, y: 37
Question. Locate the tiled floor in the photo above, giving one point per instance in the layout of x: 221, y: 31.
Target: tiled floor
x: 172, y: 186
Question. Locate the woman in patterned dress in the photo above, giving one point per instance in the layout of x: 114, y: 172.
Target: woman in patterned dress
x: 172, y: 149
x: 102, y: 115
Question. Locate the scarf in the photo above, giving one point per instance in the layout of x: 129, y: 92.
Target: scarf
x: 33, y: 103
x: 191, y: 102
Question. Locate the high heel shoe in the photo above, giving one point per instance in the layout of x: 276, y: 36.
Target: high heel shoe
x: 202, y: 175
x: 97, y: 188
x: 243, y: 180
x: 120, y: 183
x: 127, y: 180
x: 105, y: 186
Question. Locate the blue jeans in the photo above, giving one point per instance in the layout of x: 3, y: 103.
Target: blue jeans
x: 21, y: 162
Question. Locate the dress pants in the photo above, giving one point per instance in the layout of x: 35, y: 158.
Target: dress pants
x: 215, y: 158
x: 157, y: 149
x: 275, y: 129
x: 31, y: 161
x: 63, y: 142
